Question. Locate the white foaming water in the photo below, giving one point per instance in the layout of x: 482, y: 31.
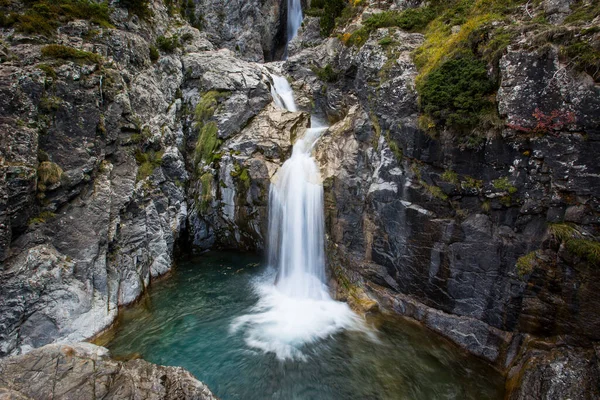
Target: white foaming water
x: 294, y: 20
x: 298, y: 309
x: 282, y: 93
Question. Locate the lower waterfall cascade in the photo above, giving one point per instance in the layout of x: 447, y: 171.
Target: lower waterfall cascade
x: 297, y: 309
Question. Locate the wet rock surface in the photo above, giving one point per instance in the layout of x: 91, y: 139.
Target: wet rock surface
x: 85, y: 371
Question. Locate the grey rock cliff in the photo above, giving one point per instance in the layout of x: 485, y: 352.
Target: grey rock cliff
x: 85, y: 371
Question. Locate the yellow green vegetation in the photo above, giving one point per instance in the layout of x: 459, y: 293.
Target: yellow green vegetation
x: 576, y: 243
x: 42, y: 217
x: 44, y: 16
x: 49, y: 104
x: 471, y: 183
x: 397, y: 150
x: 586, y: 249
x: 148, y: 162
x: 206, y: 180
x: 328, y: 11
x: 154, y: 54
x: 167, y: 44
x: 242, y: 175
x: 137, y: 7
x: 208, y: 139
x: 450, y: 177
x: 526, y: 263
x: 69, y: 53
x: 435, y: 191
x: 504, y: 185
x: 326, y: 74
x: 48, y: 174
x: 48, y: 70
x: 584, y: 11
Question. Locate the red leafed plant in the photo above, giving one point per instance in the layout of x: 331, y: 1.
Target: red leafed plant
x: 546, y: 123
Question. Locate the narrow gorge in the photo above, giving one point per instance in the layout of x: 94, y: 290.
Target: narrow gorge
x: 299, y: 199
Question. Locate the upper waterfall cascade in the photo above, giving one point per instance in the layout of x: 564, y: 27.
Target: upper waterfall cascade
x: 294, y: 20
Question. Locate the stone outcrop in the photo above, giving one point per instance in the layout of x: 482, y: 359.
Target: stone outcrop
x: 435, y: 228
x: 85, y: 371
x: 98, y: 172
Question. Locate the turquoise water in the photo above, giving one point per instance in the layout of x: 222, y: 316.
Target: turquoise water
x: 185, y: 320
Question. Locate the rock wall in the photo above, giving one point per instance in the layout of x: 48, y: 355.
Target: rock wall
x: 464, y: 237
x: 98, y: 171
x: 85, y: 371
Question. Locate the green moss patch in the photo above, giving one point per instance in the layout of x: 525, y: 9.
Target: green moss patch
x: 208, y: 139
x: 43, y: 17
x: 241, y: 175
x: 326, y: 74
x: 69, y: 53
x: 148, y: 162
x: 48, y: 174
x: 526, y: 264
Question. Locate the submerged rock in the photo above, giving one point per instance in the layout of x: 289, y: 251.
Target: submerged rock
x: 85, y: 371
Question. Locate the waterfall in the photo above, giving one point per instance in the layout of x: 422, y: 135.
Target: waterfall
x: 296, y: 223
x: 297, y: 309
x: 282, y: 93
x: 294, y: 20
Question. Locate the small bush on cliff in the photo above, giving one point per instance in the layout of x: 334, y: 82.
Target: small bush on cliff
x: 42, y: 217
x: 584, y: 57
x: 138, y: 7
x: 208, y: 138
x: 167, y: 44
x: 69, y: 53
x: 328, y: 10
x: 326, y: 74
x: 576, y: 243
x: 526, y: 264
x: 44, y: 16
x: 48, y: 174
x: 456, y: 94
x: 241, y: 173
x: 154, y: 54
x: 206, y: 180
x: 147, y: 162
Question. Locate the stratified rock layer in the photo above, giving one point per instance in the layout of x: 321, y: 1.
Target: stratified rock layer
x: 85, y: 371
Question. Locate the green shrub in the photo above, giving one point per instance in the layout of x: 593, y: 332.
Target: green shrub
x: 326, y: 74
x: 584, y: 58
x: 586, y: 249
x: 42, y: 218
x: 411, y: 19
x: 450, y: 177
x: 562, y: 231
x: 69, y: 53
x: 167, y: 44
x: 154, y: 54
x: 206, y: 195
x: 526, y: 263
x: 396, y: 150
x: 331, y: 10
x: 147, y: 162
x: 455, y: 94
x: 48, y: 70
x: 435, y: 191
x: 503, y: 184
x: 48, y: 174
x: 242, y: 176
x: 44, y: 16
x: 138, y: 7
x: 208, y: 141
x: 386, y: 41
